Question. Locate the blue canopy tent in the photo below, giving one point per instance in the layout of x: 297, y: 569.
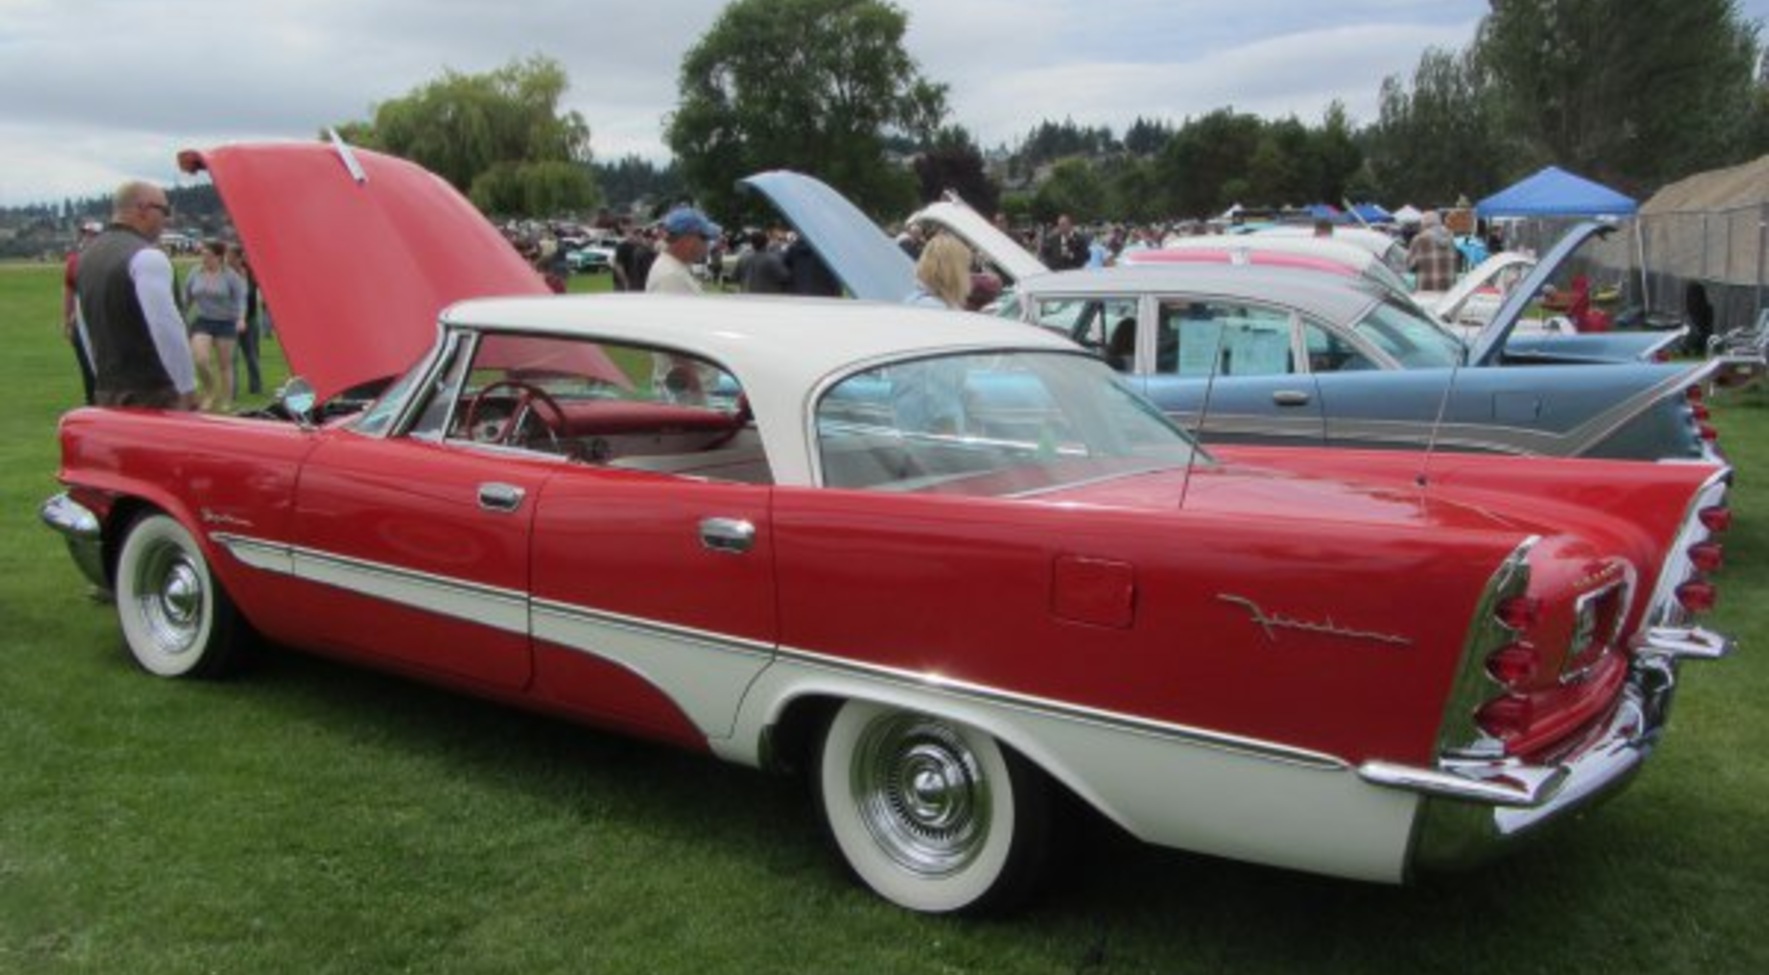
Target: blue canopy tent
x: 1372, y: 213
x: 1554, y: 192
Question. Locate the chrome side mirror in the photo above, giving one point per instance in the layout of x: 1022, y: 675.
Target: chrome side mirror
x: 298, y: 398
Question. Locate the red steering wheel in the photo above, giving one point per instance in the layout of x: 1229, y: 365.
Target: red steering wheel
x: 531, y: 400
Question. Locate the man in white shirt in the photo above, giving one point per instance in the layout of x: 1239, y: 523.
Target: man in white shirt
x: 140, y: 353
x: 687, y: 236
x: 687, y: 233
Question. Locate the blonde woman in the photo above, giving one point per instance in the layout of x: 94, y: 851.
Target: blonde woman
x: 216, y: 296
x: 942, y: 275
x: 927, y: 398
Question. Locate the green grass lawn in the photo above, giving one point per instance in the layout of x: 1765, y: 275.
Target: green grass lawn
x: 313, y: 818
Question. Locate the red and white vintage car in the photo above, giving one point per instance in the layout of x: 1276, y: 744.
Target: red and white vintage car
x: 945, y: 565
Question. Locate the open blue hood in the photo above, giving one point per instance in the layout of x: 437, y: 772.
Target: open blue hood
x: 870, y: 265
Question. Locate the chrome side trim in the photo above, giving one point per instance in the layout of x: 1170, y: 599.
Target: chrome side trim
x: 1112, y: 720
x: 571, y: 613
x: 79, y: 527
x: 598, y: 632
x: 502, y: 609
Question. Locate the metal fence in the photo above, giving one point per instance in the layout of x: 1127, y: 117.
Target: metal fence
x: 1720, y: 257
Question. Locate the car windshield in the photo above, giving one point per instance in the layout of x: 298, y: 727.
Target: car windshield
x: 1404, y: 332
x: 996, y: 424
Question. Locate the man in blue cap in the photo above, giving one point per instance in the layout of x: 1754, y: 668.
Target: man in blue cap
x: 687, y: 234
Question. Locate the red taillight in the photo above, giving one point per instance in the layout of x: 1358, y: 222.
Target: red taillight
x: 1716, y: 518
x: 1697, y: 595
x: 1700, y: 412
x: 1705, y: 556
x: 1520, y: 612
x: 1695, y: 394
x: 1505, y: 718
x: 1513, y: 665
x: 1707, y: 432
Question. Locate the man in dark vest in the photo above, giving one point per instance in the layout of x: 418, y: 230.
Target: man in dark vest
x: 140, y: 352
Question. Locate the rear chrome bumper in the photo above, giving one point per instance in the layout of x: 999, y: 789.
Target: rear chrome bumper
x: 85, y: 537
x: 1474, y: 809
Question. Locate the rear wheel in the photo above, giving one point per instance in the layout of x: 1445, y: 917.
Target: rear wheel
x: 933, y: 815
x: 176, y: 618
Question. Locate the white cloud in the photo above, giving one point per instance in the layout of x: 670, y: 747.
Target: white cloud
x: 97, y: 90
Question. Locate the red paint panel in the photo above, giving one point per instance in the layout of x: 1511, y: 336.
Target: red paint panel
x: 359, y: 272
x: 607, y: 694
x: 961, y: 590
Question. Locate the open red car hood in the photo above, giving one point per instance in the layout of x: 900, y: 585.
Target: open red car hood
x: 356, y: 253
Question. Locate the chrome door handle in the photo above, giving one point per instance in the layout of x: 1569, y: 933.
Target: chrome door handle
x: 494, y: 496
x: 731, y: 535
x: 1290, y: 397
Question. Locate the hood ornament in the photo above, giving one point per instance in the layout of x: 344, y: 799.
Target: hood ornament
x: 1272, y: 622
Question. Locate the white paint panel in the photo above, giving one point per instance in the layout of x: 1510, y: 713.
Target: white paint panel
x: 1166, y: 789
x: 704, y: 676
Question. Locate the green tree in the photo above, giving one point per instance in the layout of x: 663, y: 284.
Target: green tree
x: 1337, y: 155
x: 811, y: 85
x: 498, y: 137
x: 1634, y: 93
x: 955, y: 163
x: 1440, y: 138
x: 1205, y: 163
x: 1133, y: 191
x: 1074, y: 188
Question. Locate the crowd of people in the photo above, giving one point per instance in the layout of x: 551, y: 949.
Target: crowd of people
x: 142, y: 338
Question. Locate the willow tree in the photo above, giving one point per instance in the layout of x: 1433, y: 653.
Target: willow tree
x: 811, y: 85
x: 498, y: 137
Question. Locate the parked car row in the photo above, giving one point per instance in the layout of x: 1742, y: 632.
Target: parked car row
x: 956, y: 570
x: 1248, y: 353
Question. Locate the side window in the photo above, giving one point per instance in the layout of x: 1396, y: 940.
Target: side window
x: 1104, y: 325
x: 1197, y: 338
x: 597, y: 403
x: 1331, y: 352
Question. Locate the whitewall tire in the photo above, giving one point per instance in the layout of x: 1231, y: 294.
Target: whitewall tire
x: 931, y: 814
x: 176, y: 619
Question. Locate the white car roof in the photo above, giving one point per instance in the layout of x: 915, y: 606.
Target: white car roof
x: 781, y: 350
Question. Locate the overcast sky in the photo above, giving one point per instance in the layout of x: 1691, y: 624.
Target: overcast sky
x: 96, y: 91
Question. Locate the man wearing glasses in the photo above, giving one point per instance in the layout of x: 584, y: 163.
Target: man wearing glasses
x: 140, y: 353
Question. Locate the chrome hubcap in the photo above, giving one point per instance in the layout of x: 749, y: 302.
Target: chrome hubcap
x: 169, y: 594
x: 921, y: 793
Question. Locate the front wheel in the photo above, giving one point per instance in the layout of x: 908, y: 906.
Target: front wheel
x: 176, y: 618
x: 933, y: 815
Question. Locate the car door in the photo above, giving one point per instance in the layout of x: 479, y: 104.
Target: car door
x: 654, y: 598
x: 421, y: 548
x: 1230, y: 370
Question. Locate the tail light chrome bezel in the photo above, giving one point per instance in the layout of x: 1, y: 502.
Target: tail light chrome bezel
x: 1592, y: 636
x: 1664, y: 609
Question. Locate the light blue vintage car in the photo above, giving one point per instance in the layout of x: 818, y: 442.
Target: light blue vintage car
x: 1284, y: 356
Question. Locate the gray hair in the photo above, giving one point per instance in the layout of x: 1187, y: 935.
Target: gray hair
x: 128, y: 195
